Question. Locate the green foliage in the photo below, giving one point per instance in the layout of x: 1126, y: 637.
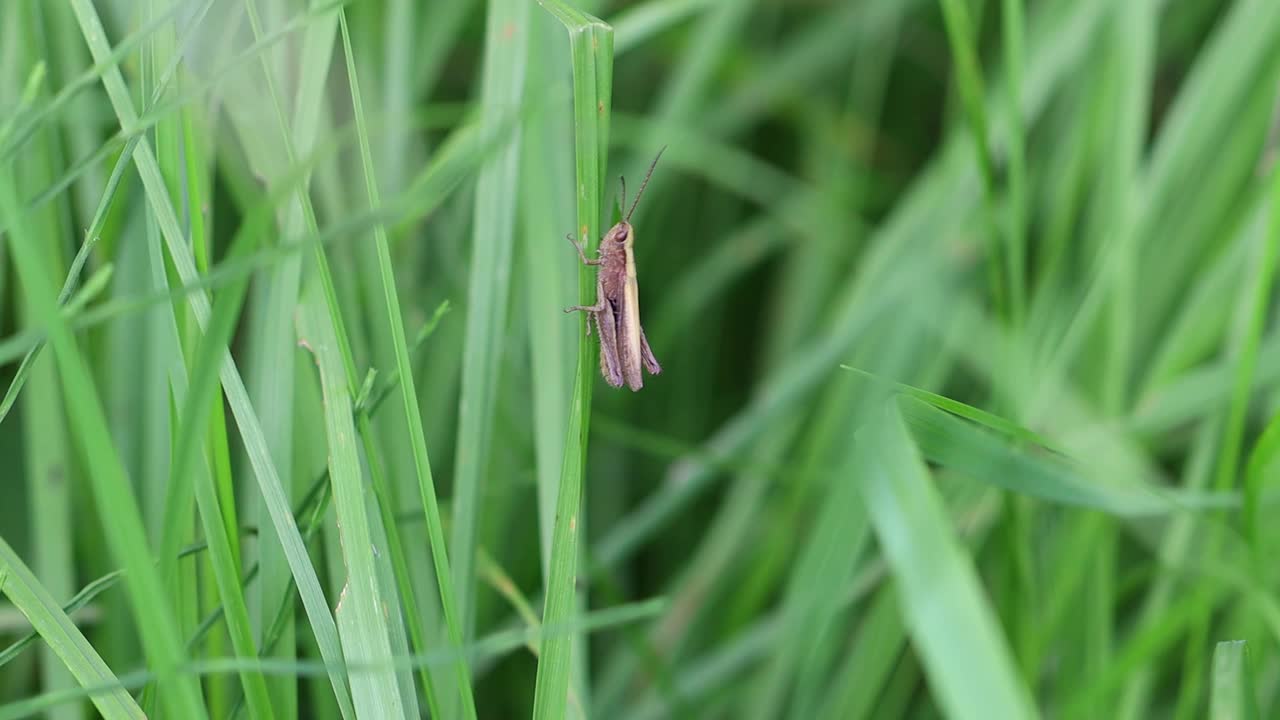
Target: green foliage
x: 965, y: 311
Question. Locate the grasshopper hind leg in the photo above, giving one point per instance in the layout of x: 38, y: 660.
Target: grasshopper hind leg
x: 593, y: 310
x: 610, y: 360
x: 646, y: 355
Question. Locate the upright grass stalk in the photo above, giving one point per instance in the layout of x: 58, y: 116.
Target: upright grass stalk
x: 489, y: 283
x: 322, y: 624
x: 270, y: 362
x: 591, y: 52
x: 48, y: 445
x: 1246, y: 358
x: 1013, y: 29
x: 116, y: 502
x: 366, y: 622
x: 1145, y: 182
x: 202, y: 389
x: 960, y: 36
x: 547, y: 212
x: 1233, y: 694
x: 408, y: 396
x: 363, y: 617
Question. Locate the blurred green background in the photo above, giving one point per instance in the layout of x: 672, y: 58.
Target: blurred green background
x: 968, y: 405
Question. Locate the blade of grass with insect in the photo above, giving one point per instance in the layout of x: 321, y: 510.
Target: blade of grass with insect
x: 1058, y: 43
x: 823, y: 206
x: 591, y: 55
x: 62, y: 636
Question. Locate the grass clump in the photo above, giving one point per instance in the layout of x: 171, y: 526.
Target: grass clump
x: 965, y: 311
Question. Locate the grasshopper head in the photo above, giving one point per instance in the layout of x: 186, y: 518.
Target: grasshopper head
x: 620, y: 234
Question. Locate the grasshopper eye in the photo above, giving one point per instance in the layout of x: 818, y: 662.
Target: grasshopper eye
x: 622, y: 234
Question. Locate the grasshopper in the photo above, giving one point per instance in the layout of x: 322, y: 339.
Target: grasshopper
x: 623, y: 346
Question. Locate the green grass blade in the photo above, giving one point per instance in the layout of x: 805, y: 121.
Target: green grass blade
x: 591, y: 54
x: 366, y: 638
x: 547, y: 214
x: 1013, y: 29
x: 322, y: 624
x: 493, y: 645
x: 202, y: 389
x: 960, y: 37
x: 73, y: 275
x: 488, y: 285
x: 51, y: 622
x: 966, y: 658
x: 116, y: 503
x: 812, y: 597
x: 1246, y: 357
x: 79, y: 600
x: 1233, y: 695
x: 408, y: 394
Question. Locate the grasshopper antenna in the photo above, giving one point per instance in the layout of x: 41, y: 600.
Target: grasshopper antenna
x: 644, y: 184
x: 622, y: 180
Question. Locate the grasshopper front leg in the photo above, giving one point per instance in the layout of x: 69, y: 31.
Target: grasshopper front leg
x: 578, y: 246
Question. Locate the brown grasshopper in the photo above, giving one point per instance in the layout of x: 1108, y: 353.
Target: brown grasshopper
x: 623, y: 346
